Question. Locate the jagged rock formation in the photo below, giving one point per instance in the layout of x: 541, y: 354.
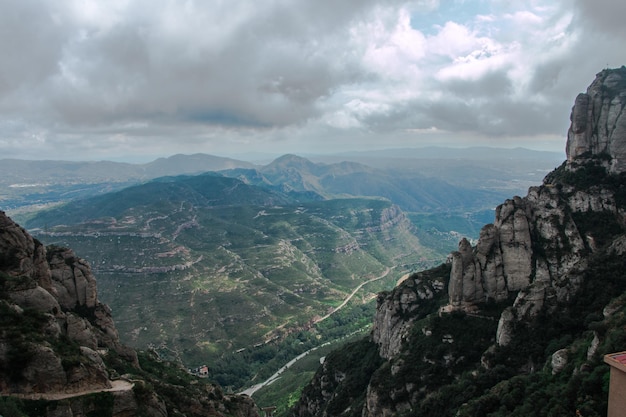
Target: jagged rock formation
x: 598, y: 121
x: 538, y: 293
x: 56, y: 285
x: 57, y: 339
x: 534, y: 248
x: 416, y: 298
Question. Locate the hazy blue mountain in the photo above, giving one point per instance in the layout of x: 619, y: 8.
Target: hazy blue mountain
x: 190, y: 164
x: 412, y: 192
x: 32, y: 184
x: 509, y: 170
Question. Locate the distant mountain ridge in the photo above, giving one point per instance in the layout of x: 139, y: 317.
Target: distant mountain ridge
x: 410, y: 192
x: 25, y: 184
x: 32, y: 183
x: 16, y: 170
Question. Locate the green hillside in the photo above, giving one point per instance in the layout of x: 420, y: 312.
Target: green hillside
x: 200, y: 267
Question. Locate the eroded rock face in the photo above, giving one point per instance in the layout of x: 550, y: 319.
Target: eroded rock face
x: 72, y: 279
x: 534, y: 250
x: 56, y: 285
x: 599, y: 122
x: 21, y: 255
x: 534, y: 241
x: 391, y: 326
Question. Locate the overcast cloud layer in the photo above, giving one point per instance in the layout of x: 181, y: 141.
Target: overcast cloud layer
x: 91, y: 79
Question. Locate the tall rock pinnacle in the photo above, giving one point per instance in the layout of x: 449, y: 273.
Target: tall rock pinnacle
x: 599, y: 120
x: 534, y: 245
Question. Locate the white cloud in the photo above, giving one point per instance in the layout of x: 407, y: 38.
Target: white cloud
x: 122, y: 76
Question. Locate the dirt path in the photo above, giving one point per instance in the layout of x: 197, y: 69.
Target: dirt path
x: 118, y: 385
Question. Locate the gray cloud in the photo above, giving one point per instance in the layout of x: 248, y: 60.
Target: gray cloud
x: 104, y: 78
x: 602, y: 16
x: 269, y: 69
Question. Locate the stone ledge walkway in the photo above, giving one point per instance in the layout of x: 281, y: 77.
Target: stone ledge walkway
x: 117, y: 385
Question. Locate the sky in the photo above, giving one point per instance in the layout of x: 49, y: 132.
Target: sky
x: 139, y: 79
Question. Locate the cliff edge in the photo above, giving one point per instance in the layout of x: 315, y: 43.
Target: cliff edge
x: 517, y: 324
x: 60, y: 354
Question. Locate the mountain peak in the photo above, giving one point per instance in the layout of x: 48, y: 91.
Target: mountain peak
x: 291, y: 159
x: 598, y: 121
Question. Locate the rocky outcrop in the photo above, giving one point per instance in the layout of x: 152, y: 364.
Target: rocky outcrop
x: 534, y: 248
x: 56, y: 285
x: 533, y: 241
x: 55, y: 335
x: 72, y: 279
x: 21, y: 255
x: 599, y: 121
x: 532, y: 278
x: 396, y: 312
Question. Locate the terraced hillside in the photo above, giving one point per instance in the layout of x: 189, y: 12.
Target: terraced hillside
x: 198, y: 266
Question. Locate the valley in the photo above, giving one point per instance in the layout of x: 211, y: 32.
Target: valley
x: 246, y: 268
x: 193, y: 261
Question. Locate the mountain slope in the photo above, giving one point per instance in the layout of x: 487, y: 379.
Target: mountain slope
x: 60, y: 353
x: 518, y: 324
x: 200, y: 266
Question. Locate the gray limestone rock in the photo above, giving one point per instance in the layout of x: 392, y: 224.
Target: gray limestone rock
x: 390, y: 330
x: 505, y: 327
x: 56, y: 290
x: 598, y: 124
x: 44, y: 372
x: 36, y: 298
x: 80, y: 331
x: 559, y: 360
x: 21, y: 255
x: 72, y: 279
x: 391, y: 326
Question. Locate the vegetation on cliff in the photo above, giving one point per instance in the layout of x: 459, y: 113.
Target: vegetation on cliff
x: 528, y: 313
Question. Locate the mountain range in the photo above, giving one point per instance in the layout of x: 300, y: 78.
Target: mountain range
x: 413, y: 193
x: 26, y: 186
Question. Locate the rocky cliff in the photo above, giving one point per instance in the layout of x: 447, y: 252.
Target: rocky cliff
x: 598, y: 121
x: 522, y: 317
x: 59, y: 290
x: 57, y: 341
x: 536, y: 249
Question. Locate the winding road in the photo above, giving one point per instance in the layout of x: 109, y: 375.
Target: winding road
x: 343, y: 304
x: 250, y: 391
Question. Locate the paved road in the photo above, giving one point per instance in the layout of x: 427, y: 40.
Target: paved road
x: 250, y: 391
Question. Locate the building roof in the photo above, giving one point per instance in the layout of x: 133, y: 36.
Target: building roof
x: 616, y: 360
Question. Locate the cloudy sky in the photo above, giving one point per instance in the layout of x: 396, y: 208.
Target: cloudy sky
x: 138, y: 79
